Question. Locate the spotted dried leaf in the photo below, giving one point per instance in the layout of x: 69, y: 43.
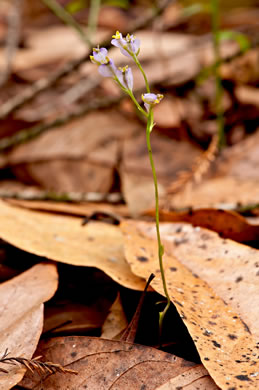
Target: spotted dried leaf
x: 127, y: 366
x: 226, y: 346
x: 231, y: 269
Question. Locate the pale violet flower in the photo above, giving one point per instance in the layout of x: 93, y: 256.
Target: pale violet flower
x: 128, y: 46
x: 99, y: 56
x: 109, y: 69
x: 150, y: 99
x: 125, y: 77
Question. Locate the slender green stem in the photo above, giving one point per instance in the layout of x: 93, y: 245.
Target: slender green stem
x: 215, y: 19
x: 65, y: 16
x: 137, y: 104
x: 130, y: 93
x: 93, y: 17
x: 142, y: 71
x: 150, y: 125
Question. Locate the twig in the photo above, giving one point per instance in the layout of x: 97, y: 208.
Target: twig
x: 42, y: 84
x: 35, y: 364
x: 32, y: 132
x: 13, y: 34
x: 93, y: 17
x: 68, y: 19
x: 30, y: 194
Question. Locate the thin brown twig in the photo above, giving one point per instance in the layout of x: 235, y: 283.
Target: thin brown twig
x: 13, y: 35
x: 27, y: 194
x: 199, y: 168
x: 42, y: 84
x: 35, y: 364
x: 32, y: 132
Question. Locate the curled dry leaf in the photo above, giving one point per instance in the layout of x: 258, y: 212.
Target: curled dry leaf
x: 228, y: 224
x: 106, y: 364
x: 21, y: 313
x: 224, y: 341
x: 64, y: 239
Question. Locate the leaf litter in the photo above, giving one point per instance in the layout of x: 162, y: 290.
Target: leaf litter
x: 91, y: 154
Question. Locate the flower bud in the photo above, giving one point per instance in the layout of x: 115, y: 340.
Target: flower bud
x: 125, y: 77
x: 150, y: 99
x: 99, y: 56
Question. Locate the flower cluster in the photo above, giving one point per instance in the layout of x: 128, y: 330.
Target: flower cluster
x: 130, y: 47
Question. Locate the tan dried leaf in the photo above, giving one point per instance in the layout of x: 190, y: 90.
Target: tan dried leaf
x: 225, y: 192
x: 64, y: 239
x: 225, y: 343
x: 115, y: 322
x: 234, y: 181
x: 21, y: 313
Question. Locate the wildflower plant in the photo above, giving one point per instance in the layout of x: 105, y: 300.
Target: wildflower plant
x: 130, y: 47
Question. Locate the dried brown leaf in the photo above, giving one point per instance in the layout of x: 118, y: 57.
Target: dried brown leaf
x: 21, y: 312
x: 227, y: 223
x: 78, y: 156
x: 233, y: 182
x: 64, y: 239
x: 225, y: 343
x: 225, y: 192
x: 105, y: 365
